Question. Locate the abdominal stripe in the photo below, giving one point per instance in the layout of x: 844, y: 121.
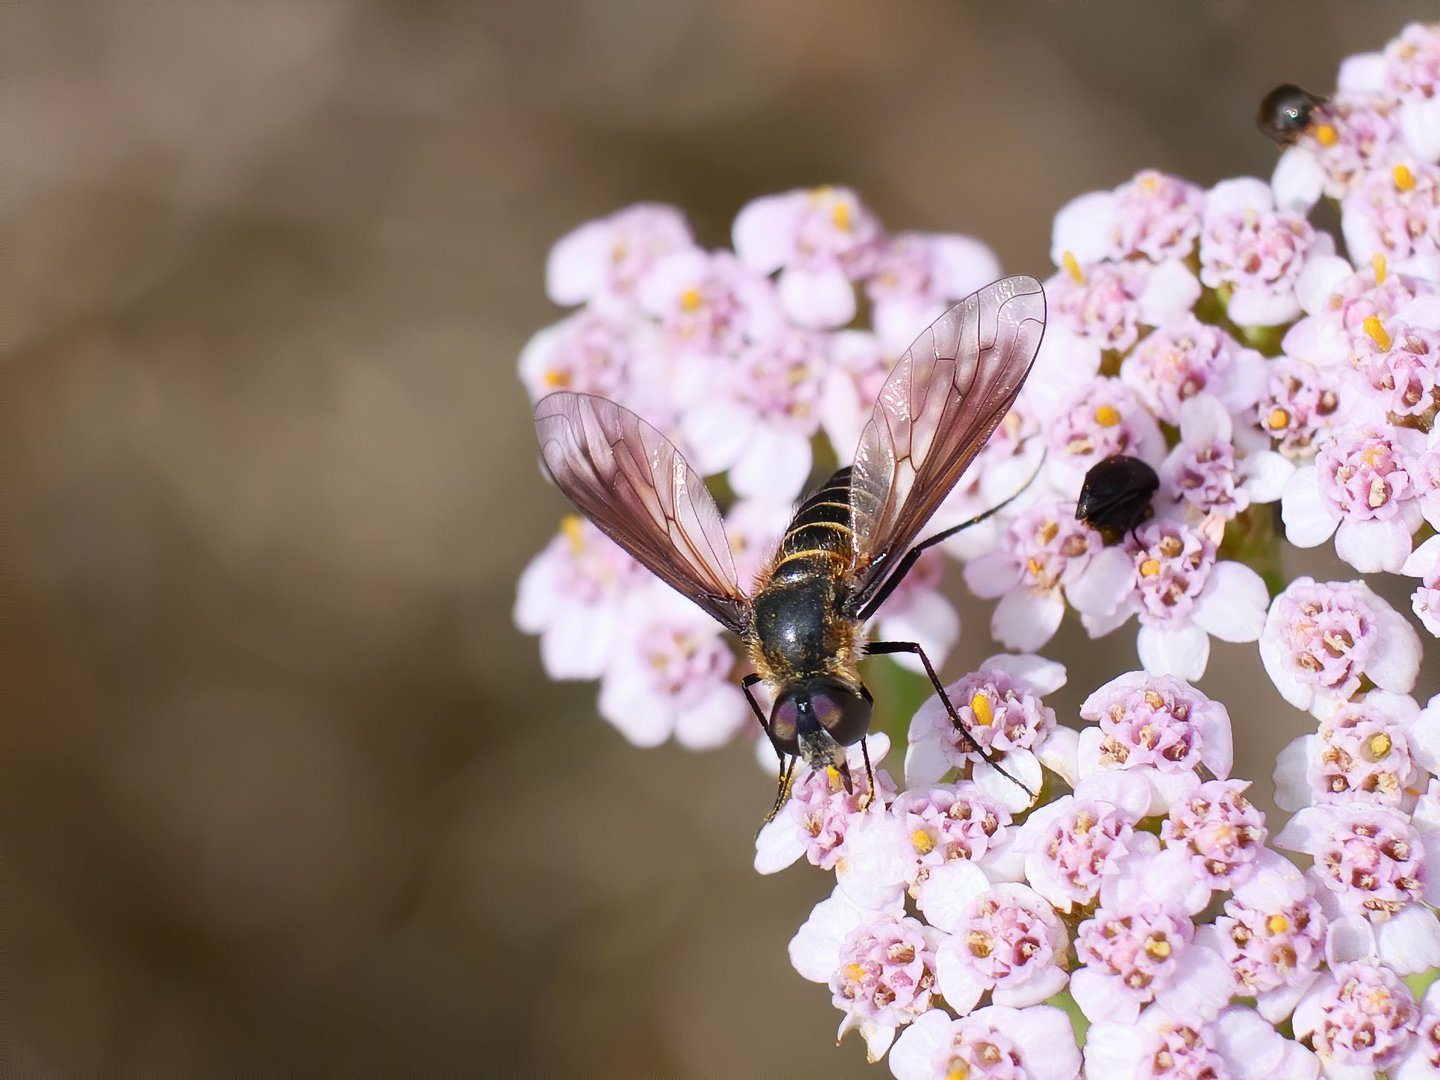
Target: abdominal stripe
x: 811, y: 553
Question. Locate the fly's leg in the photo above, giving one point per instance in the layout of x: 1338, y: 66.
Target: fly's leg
x: 787, y: 772
x: 883, y: 648
x: 782, y: 794
x: 869, y: 775
x: 745, y: 684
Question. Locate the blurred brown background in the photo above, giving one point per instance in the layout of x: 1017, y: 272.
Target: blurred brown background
x: 284, y: 789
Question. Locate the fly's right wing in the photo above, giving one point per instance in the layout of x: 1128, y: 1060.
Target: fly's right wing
x: 935, y: 411
x: 633, y: 484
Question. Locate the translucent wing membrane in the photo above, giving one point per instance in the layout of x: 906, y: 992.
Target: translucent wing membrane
x: 633, y: 484
x: 937, y: 408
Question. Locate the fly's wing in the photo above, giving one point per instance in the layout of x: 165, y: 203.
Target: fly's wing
x: 937, y: 408
x: 633, y: 484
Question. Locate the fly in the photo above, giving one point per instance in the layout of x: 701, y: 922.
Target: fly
x: 849, y: 544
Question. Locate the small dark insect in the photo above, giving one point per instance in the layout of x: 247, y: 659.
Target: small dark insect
x: 849, y: 544
x: 1115, y: 497
x: 1288, y: 112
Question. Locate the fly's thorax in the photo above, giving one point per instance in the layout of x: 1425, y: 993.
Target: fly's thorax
x: 794, y: 626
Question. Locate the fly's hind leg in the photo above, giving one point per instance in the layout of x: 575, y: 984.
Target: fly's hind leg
x: 884, y: 648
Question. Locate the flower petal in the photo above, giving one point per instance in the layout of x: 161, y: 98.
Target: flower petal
x: 1233, y: 604
x: 821, y: 299
x: 1309, y: 518
x: 1183, y: 651
x: 1026, y: 621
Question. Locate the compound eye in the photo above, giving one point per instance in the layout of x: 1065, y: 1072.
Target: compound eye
x: 784, y: 724
x: 844, y: 715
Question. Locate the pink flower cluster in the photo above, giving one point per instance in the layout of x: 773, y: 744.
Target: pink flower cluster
x: 988, y: 902
x: 1221, y: 336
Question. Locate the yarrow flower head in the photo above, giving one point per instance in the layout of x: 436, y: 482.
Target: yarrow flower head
x: 1360, y: 490
x: 1182, y: 596
x: 1036, y: 1043
x: 1272, y: 936
x: 1373, y: 750
x: 821, y: 241
x: 1161, y: 728
x: 1323, y: 639
x: 572, y: 595
x: 1005, y: 939
x: 821, y: 816
x: 1255, y: 252
x: 670, y: 673
x: 1370, y: 857
x: 603, y: 262
x: 1070, y: 845
x: 1220, y: 833
x: 1163, y: 1045
x: 879, y: 965
x: 1047, y: 559
x: 1187, y: 357
x: 1139, y: 946
x: 1361, y: 1015
x: 1001, y: 707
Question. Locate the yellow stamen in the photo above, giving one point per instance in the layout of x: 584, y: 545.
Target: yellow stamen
x: 1377, y: 332
x: 1404, y: 178
x: 854, y: 972
x: 1277, y: 924
x: 1379, y: 746
x: 840, y: 215
x: 1150, y: 567
x: 690, y: 300
x: 1377, y: 263
x: 1033, y: 565
x: 1326, y: 135
x: 1072, y: 267
x: 921, y: 842
x: 1158, y: 948
x: 980, y: 706
x: 958, y: 1071
x: 571, y: 526
x: 556, y: 379
x: 1372, y: 456
x: 1107, y: 416
x: 1277, y: 419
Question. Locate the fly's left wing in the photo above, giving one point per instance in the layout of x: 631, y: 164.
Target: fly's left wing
x: 634, y: 485
x: 936, y: 410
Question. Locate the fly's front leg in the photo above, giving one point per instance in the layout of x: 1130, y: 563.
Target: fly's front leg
x: 745, y: 684
x: 787, y: 772
x: 782, y: 794
x: 884, y: 648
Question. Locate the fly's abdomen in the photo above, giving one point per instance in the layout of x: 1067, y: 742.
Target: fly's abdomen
x: 800, y: 630
x: 819, y: 539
